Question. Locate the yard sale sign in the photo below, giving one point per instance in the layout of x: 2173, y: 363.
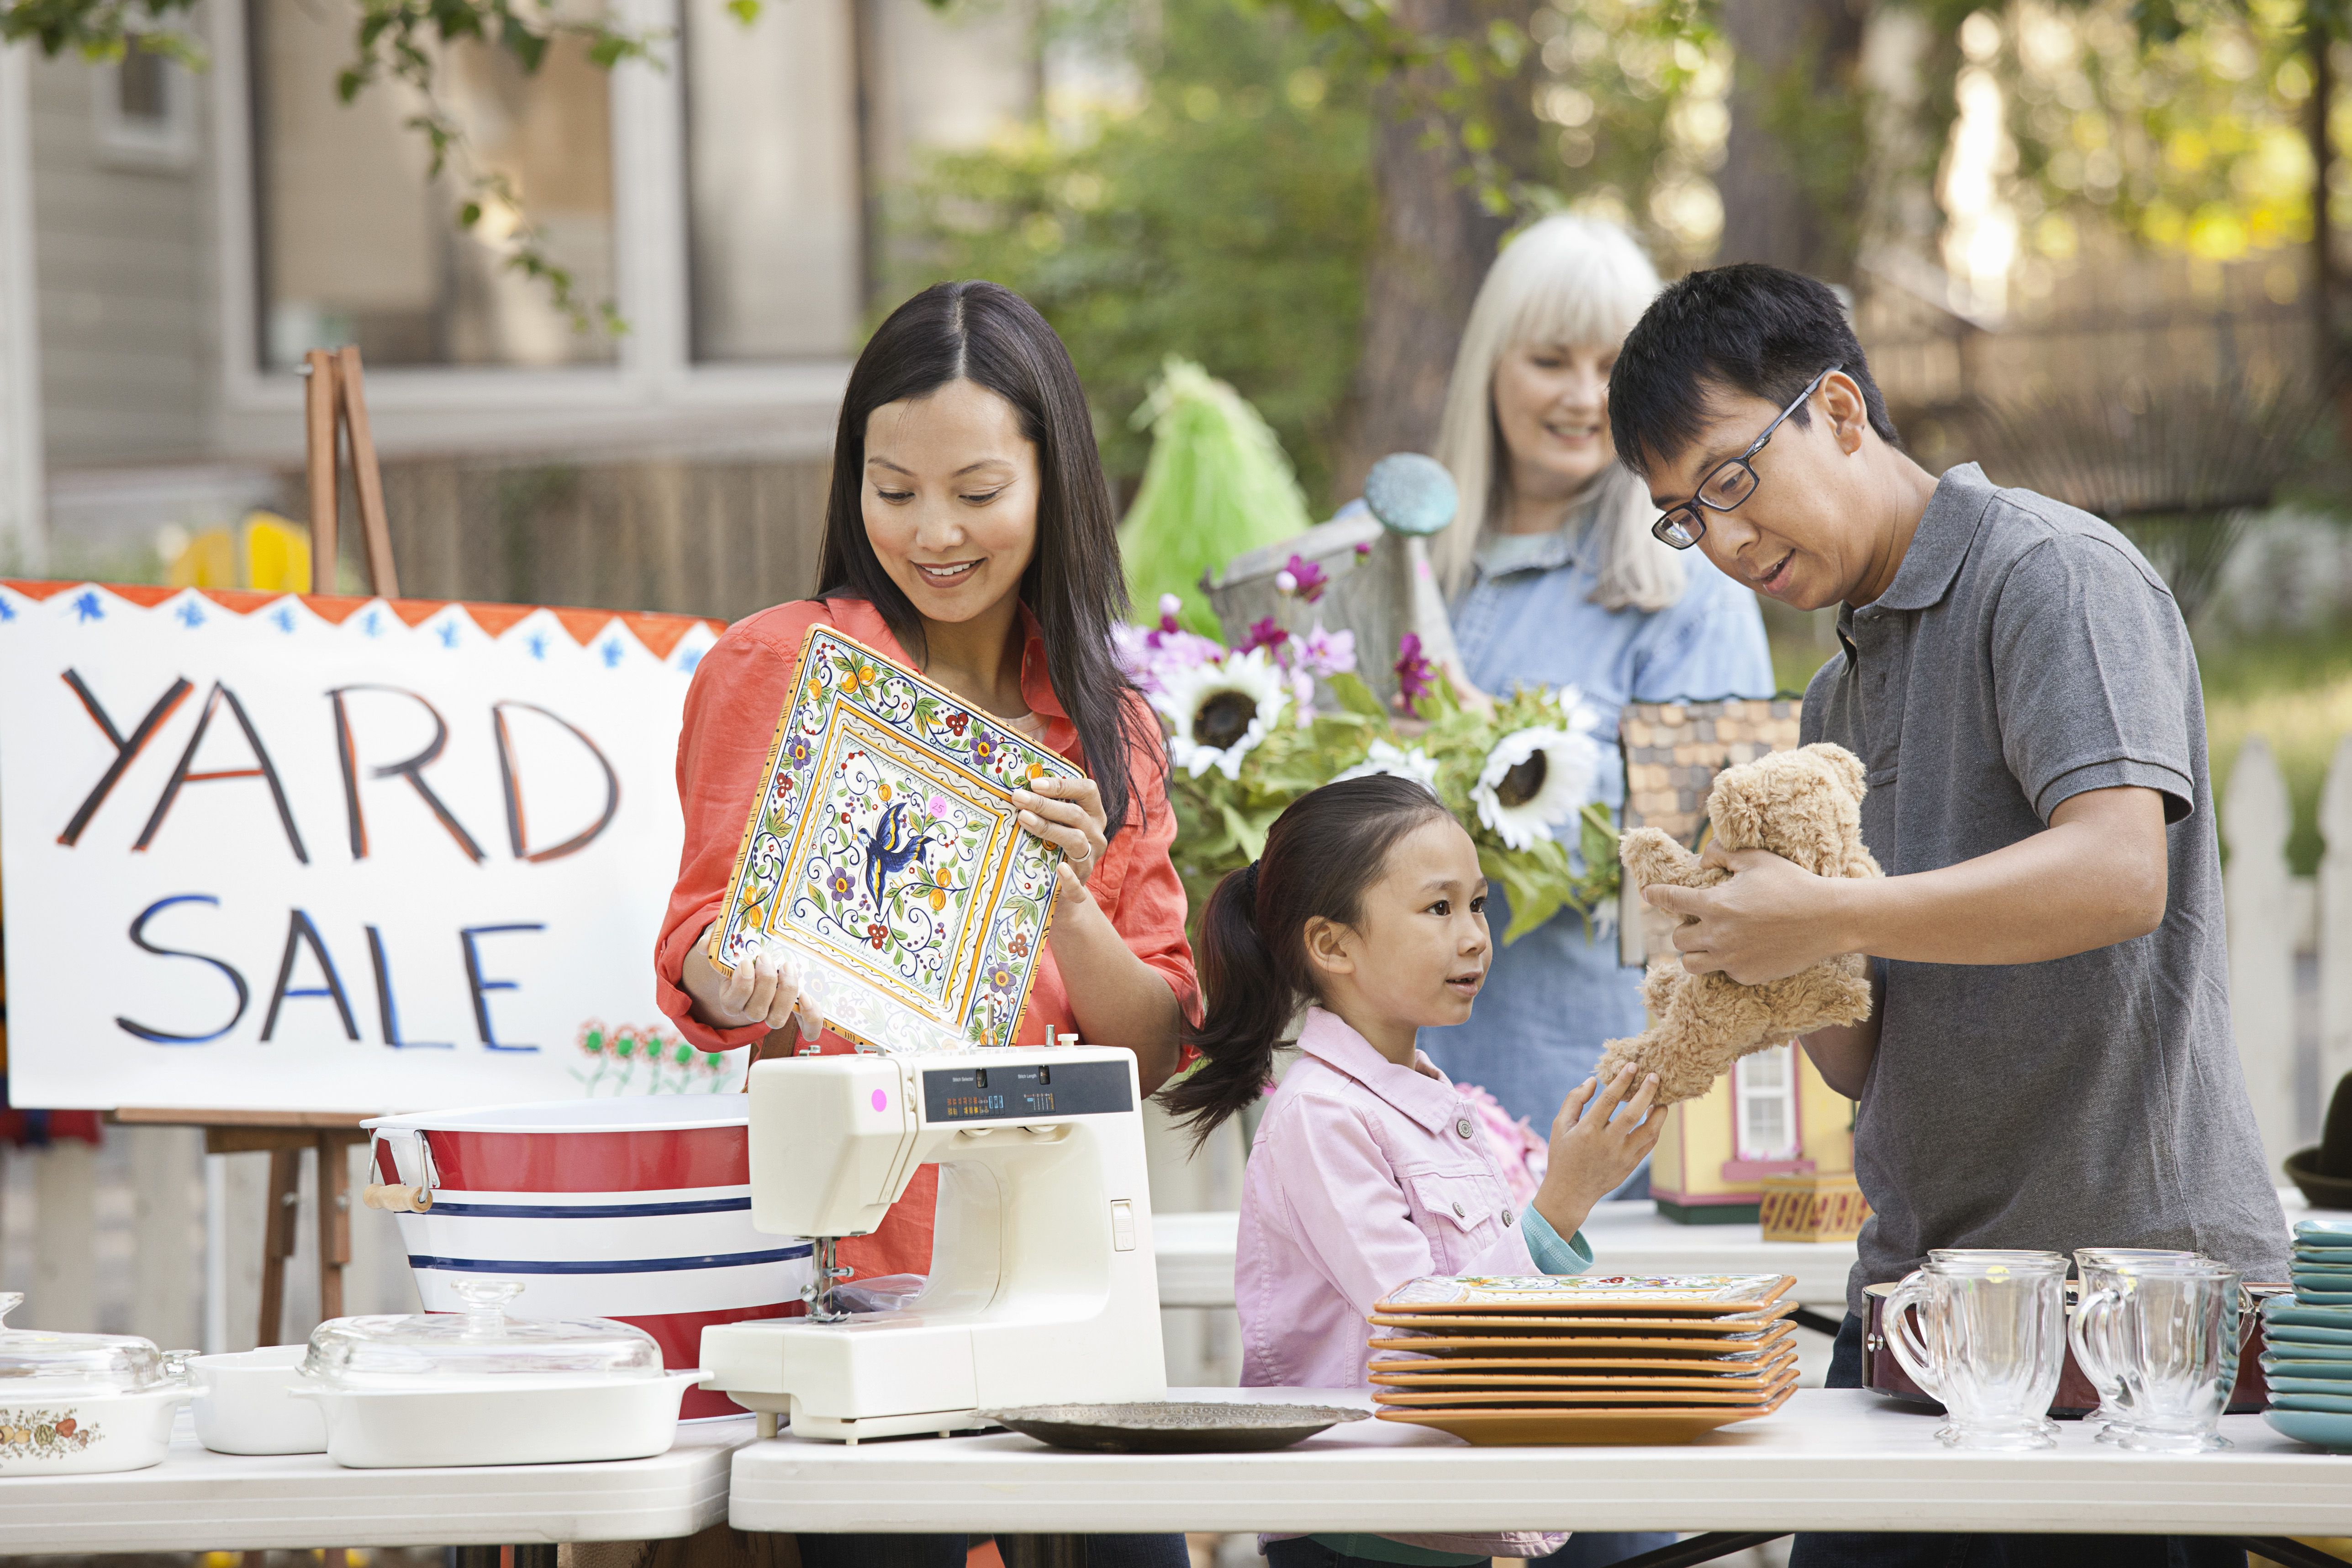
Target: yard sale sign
x: 272, y: 851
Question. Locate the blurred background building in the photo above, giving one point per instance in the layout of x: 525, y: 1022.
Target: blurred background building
x: 170, y: 244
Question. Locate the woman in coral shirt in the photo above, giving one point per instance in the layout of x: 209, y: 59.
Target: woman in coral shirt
x: 968, y: 534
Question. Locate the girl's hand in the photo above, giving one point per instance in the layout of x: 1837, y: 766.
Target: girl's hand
x: 1067, y: 812
x: 1598, y: 1139
x: 774, y: 988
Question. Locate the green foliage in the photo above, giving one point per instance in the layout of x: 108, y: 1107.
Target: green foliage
x: 102, y: 29
x: 2182, y: 124
x: 1223, y: 214
x: 1221, y: 823
x: 1217, y: 485
x: 1632, y: 94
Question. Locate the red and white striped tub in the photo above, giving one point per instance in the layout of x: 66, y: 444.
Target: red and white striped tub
x: 636, y: 1208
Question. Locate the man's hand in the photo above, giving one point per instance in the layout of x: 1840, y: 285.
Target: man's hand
x: 1768, y: 921
x: 2097, y: 876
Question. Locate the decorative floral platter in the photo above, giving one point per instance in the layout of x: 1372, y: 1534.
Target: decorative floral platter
x: 1709, y: 1294
x: 887, y: 848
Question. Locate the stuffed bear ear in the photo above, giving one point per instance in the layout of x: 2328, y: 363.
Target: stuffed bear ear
x: 1843, y: 765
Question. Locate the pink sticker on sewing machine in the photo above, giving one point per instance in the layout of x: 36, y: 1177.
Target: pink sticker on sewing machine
x: 881, y: 1100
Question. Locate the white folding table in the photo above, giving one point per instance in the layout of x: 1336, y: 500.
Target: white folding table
x: 1839, y: 1460
x: 200, y: 1500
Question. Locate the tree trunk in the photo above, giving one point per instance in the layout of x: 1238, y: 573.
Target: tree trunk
x: 1791, y: 173
x: 1436, y: 240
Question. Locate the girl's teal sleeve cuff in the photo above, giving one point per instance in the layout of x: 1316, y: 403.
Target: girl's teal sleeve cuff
x: 1551, y: 1254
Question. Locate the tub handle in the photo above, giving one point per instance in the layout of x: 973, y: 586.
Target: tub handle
x: 396, y: 1197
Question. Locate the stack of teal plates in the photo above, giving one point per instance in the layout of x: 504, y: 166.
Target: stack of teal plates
x: 2307, y: 1340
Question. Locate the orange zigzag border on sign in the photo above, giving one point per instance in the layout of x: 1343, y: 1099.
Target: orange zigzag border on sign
x: 659, y: 632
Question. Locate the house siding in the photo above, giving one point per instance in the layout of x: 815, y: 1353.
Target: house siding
x: 122, y: 258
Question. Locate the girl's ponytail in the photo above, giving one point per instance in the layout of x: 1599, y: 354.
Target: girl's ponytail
x: 1249, y: 1004
x: 1326, y: 848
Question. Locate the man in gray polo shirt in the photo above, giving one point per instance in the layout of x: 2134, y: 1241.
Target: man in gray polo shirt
x: 2049, y: 1064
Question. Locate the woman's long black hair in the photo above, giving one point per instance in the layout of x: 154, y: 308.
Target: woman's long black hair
x: 1325, y: 849
x: 986, y: 334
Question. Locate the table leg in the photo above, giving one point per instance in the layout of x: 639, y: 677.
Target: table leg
x: 538, y: 1554
x: 1042, y: 1550
x: 278, y: 1241
x: 1707, y: 1548
x: 334, y: 1221
x: 2294, y: 1553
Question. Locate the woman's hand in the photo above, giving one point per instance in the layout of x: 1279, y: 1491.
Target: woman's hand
x: 773, y: 988
x: 1068, y: 813
x: 1598, y: 1138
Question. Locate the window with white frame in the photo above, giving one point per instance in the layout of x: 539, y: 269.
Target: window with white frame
x: 1764, y: 1100
x: 358, y: 243
x: 720, y: 196
x: 145, y: 111
x: 775, y: 204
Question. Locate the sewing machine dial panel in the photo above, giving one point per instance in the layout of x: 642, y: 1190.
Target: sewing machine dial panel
x: 1026, y: 1091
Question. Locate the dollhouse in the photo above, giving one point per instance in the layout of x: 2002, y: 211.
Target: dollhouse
x: 1771, y: 1119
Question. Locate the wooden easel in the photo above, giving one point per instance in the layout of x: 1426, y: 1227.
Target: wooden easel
x: 335, y: 420
x: 334, y: 403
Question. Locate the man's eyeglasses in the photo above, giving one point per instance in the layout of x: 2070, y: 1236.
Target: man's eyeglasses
x: 1727, y: 484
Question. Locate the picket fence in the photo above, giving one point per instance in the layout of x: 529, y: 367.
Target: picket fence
x: 148, y: 1234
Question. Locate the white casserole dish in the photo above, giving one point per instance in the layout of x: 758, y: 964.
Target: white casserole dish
x: 243, y: 1404
x: 478, y: 1388
x: 82, y: 1403
x: 520, y: 1421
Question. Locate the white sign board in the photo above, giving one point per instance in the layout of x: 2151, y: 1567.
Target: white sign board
x: 273, y: 852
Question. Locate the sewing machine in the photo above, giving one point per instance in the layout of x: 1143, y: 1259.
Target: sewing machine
x: 1042, y: 1286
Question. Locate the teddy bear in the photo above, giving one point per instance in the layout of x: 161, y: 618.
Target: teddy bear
x: 1804, y: 806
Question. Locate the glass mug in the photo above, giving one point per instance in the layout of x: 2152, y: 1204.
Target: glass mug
x: 2093, y: 1266
x: 2166, y: 1332
x: 1989, y: 1344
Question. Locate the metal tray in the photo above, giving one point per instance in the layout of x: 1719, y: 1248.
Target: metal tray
x: 1173, y: 1426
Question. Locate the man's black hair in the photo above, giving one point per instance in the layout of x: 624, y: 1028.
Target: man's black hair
x: 1743, y: 329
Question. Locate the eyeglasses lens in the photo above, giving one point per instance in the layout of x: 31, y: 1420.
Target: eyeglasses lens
x: 1728, y: 485
x: 1679, y: 527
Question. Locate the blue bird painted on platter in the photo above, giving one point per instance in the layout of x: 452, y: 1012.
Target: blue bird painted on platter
x: 895, y: 840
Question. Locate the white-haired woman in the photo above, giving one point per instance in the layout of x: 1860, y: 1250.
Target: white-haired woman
x: 1554, y: 580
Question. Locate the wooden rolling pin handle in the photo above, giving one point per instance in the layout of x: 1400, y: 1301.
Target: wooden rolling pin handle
x: 398, y: 1199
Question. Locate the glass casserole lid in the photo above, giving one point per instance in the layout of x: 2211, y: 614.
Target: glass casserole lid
x: 36, y: 1365
x: 482, y: 1342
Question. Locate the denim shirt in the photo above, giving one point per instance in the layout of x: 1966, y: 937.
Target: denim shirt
x: 1553, y: 999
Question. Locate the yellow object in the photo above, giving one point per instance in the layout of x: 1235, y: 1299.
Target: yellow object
x: 266, y: 551
x: 209, y: 561
x: 1770, y: 1115
x: 1821, y: 1206
x: 277, y: 554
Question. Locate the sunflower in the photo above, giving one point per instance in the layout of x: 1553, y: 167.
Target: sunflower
x: 1385, y: 757
x: 1222, y: 711
x: 1532, y: 779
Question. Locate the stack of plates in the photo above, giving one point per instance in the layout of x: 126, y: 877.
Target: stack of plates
x: 2307, y: 1340
x: 1584, y: 1358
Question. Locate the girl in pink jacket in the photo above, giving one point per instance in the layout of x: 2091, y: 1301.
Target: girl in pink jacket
x: 1369, y: 1169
